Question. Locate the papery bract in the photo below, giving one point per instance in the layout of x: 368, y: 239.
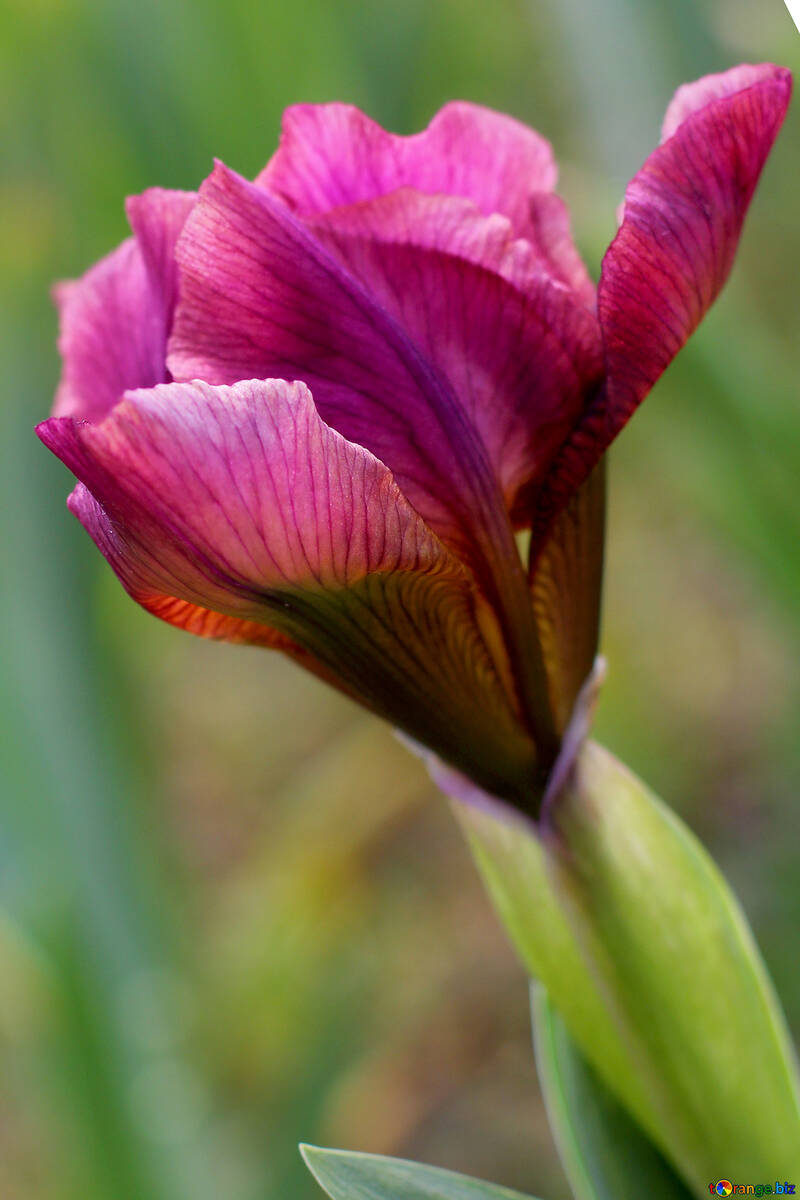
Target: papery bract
x: 461, y: 383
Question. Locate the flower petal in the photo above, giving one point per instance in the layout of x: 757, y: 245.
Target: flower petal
x: 157, y: 217
x: 518, y: 349
x: 691, y: 97
x: 138, y: 580
x: 137, y: 575
x: 111, y: 335
x: 241, y: 501
x: 683, y: 215
x: 260, y: 297
x: 682, y: 219
x: 457, y: 226
x: 115, y: 320
x: 333, y: 155
x: 549, y: 231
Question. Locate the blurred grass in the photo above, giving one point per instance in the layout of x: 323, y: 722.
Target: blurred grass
x: 233, y: 913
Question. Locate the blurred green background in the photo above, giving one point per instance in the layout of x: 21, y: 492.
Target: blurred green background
x: 233, y: 912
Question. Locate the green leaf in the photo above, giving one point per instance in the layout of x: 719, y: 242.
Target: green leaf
x: 605, y: 1155
x: 345, y: 1175
x: 622, y: 915
x: 513, y: 864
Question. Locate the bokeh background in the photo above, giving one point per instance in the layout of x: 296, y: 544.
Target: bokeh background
x: 233, y: 912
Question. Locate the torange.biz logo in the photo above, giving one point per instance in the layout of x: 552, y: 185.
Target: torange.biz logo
x: 725, y: 1188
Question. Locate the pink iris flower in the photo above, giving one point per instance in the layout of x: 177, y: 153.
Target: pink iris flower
x: 310, y: 412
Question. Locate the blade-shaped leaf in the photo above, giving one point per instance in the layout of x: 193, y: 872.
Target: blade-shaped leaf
x: 605, y: 1155
x: 345, y: 1175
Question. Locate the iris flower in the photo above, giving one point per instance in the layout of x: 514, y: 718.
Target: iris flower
x: 312, y: 411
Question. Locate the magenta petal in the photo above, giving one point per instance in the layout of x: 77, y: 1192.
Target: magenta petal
x: 260, y: 297
x: 683, y: 215
x: 518, y: 349
x: 333, y: 154
x: 111, y: 337
x: 245, y: 481
x: 157, y: 217
x: 682, y: 220
x: 407, y: 217
x: 139, y: 580
x: 691, y: 97
x: 242, y: 502
x: 457, y: 226
x: 549, y: 232
x: 115, y: 320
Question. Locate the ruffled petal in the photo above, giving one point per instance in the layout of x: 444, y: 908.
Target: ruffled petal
x: 242, y: 502
x: 261, y: 297
x: 111, y: 335
x: 518, y: 349
x: 458, y: 227
x: 115, y: 319
x: 157, y: 217
x: 549, y: 232
x: 333, y: 155
x: 682, y: 219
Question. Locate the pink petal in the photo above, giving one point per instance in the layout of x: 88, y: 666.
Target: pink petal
x: 137, y: 578
x: 115, y: 320
x: 519, y: 351
x: 261, y: 297
x: 111, y: 335
x: 137, y: 571
x: 333, y: 154
x: 457, y: 226
x: 157, y: 217
x: 549, y: 231
x: 691, y: 97
x: 242, y: 502
x: 682, y: 219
